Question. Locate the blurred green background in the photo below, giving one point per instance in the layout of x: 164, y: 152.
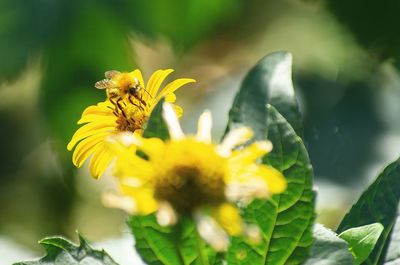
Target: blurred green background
x: 346, y: 58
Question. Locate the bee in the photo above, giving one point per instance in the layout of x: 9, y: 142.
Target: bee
x: 120, y: 86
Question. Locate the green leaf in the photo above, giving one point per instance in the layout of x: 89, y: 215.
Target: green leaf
x: 156, y: 126
x: 270, y: 81
x: 182, y: 23
x: 286, y: 220
x: 378, y: 34
x: 378, y: 204
x: 170, y: 245
x: 62, y: 251
x: 362, y: 240
x: 328, y: 248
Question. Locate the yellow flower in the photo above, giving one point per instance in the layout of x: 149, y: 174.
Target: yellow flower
x: 191, y: 176
x: 128, y: 105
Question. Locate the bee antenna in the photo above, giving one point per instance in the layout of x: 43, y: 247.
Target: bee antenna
x: 148, y: 93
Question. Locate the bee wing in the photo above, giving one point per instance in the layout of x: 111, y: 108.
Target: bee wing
x: 104, y: 84
x: 110, y: 74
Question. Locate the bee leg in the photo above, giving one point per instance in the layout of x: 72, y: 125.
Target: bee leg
x: 119, y: 106
x: 143, y: 102
x: 114, y: 110
x: 148, y: 93
x: 123, y: 113
x: 112, y: 98
x: 130, y: 100
x: 134, y: 104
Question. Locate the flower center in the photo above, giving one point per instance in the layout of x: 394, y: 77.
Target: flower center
x: 189, y: 177
x: 130, y: 117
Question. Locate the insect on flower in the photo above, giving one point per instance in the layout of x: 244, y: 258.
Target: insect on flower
x: 128, y: 105
x: 120, y: 86
x: 190, y: 176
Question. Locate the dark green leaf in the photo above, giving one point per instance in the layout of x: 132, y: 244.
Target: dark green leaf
x: 269, y: 82
x: 362, y: 240
x: 156, y: 126
x: 378, y: 204
x: 328, y: 249
x: 286, y: 220
x: 377, y: 34
x: 62, y: 251
x: 179, y: 245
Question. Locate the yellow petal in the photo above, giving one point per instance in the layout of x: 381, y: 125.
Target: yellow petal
x: 171, y: 97
x: 254, y: 181
x: 152, y: 146
x: 275, y: 181
x: 138, y: 74
x: 86, y: 147
x: 228, y: 217
x: 103, y: 108
x: 143, y: 198
x: 171, y: 87
x: 134, y: 171
x: 128, y: 164
x: 156, y: 80
x: 88, y: 130
x: 103, y: 163
x: 250, y: 153
x: 178, y: 110
x: 109, y: 118
x: 99, y: 162
x: 235, y: 137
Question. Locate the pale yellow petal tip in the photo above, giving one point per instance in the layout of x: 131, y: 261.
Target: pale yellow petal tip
x: 166, y: 215
x: 235, y: 137
x: 211, y: 232
x: 204, y: 127
x: 112, y: 200
x: 171, y: 119
x: 265, y: 146
x: 128, y: 139
x: 253, y: 234
x: 122, y: 139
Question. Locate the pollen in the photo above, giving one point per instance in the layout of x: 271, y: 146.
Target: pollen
x: 129, y: 117
x: 187, y: 178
